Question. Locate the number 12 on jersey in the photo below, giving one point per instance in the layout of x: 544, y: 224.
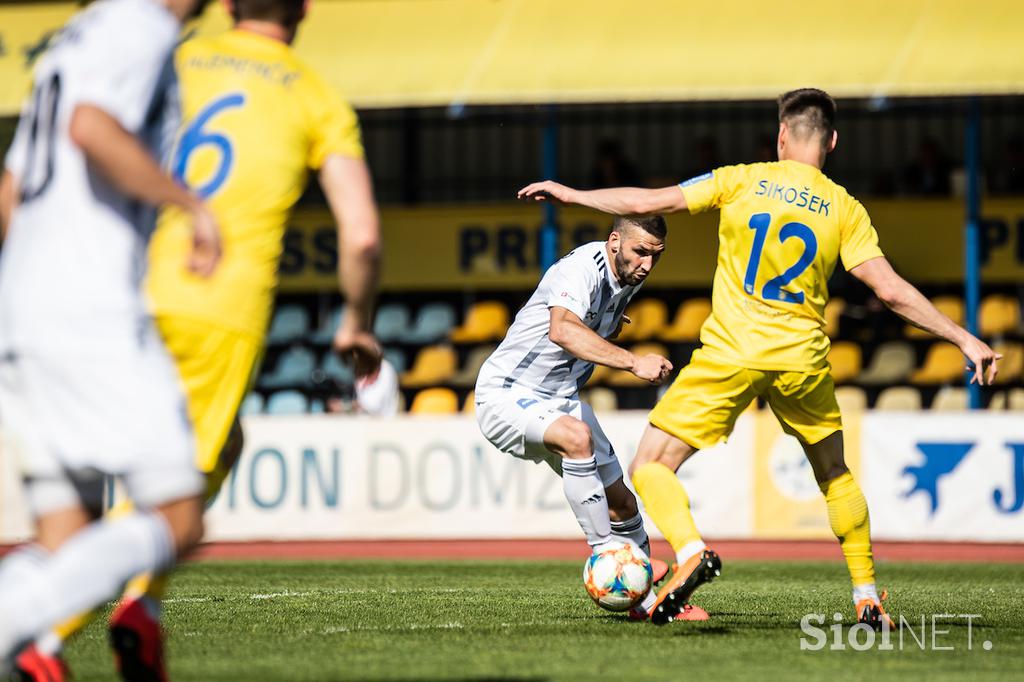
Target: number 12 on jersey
x: 772, y: 290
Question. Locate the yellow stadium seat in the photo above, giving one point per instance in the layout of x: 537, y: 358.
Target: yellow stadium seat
x: 624, y: 378
x: 845, y: 360
x: 943, y: 364
x: 899, y: 398
x: 433, y: 365
x: 1011, y: 367
x: 600, y: 375
x: 833, y: 310
x: 950, y: 399
x: 951, y: 306
x: 892, y: 363
x: 602, y: 399
x: 689, y: 318
x: 998, y: 315
x: 1015, y: 399
x: 469, y: 405
x: 485, y: 321
x: 648, y: 318
x: 851, y: 399
x: 435, y: 401
x: 466, y: 376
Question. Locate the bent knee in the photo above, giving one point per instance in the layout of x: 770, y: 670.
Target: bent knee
x: 578, y: 442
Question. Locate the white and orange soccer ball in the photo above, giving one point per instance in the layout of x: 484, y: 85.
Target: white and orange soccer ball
x: 618, y: 576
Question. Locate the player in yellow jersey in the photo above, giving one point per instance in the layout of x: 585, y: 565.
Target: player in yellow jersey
x: 784, y: 225
x: 255, y: 120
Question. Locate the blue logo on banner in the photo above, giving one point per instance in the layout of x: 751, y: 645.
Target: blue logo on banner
x: 940, y: 459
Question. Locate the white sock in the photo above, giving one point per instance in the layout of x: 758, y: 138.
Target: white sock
x: 688, y: 550
x: 632, y: 530
x: 17, y: 567
x: 649, y: 600
x: 90, y: 568
x: 867, y: 591
x: 585, y: 492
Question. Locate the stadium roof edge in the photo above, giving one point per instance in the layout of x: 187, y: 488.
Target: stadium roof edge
x: 391, y: 53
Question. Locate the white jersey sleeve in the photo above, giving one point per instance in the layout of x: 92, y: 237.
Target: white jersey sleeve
x: 122, y: 87
x: 570, y: 285
x: 17, y: 155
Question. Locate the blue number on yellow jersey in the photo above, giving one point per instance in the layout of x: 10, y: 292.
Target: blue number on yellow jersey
x: 783, y: 228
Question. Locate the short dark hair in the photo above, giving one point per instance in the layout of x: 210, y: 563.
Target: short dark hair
x: 288, y: 13
x: 808, y: 111
x: 653, y: 225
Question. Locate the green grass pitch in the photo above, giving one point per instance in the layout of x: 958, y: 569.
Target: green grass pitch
x: 477, y: 620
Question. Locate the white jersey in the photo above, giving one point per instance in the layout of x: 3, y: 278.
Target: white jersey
x: 73, y: 262
x: 581, y: 282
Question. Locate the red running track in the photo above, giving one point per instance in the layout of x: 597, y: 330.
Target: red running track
x: 754, y: 550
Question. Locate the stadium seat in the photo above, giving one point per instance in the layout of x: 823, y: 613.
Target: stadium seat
x: 433, y: 322
x: 648, y: 316
x: 891, y: 364
x: 600, y: 375
x: 899, y: 398
x: 290, y: 323
x: 469, y: 404
x: 253, y: 404
x: 833, y: 311
x: 943, y: 364
x: 1015, y: 399
x: 324, y: 334
x: 951, y: 306
x: 845, y: 360
x: 625, y: 379
x: 950, y: 398
x: 334, y: 367
x: 287, y: 402
x: 998, y: 315
x: 602, y: 399
x: 485, y: 321
x: 851, y: 399
x: 433, y: 365
x: 466, y: 377
x: 689, y: 317
x: 397, y: 359
x: 292, y: 369
x: 436, y: 400
x: 1011, y: 367
x: 391, y: 322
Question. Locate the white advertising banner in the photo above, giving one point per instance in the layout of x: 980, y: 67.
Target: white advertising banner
x: 324, y: 477
x: 949, y: 476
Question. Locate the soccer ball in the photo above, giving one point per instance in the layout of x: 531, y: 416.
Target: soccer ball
x: 617, y: 577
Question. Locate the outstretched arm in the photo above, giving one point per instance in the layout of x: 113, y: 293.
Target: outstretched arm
x: 568, y: 331
x: 349, y: 190
x: 905, y: 300
x: 616, y: 200
x: 8, y: 200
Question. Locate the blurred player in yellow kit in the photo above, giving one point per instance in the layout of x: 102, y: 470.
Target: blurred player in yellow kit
x: 784, y: 225
x: 255, y: 119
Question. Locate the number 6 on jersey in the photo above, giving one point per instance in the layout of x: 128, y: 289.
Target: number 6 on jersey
x: 194, y: 137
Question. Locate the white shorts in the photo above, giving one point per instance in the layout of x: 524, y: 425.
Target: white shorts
x: 70, y: 418
x: 515, y: 422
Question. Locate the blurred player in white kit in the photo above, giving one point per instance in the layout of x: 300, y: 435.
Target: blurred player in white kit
x: 86, y: 388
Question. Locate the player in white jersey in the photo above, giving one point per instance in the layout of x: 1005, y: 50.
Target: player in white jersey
x: 86, y: 388
x: 527, y: 393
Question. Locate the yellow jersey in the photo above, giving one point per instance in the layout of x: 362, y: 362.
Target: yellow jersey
x: 783, y: 227
x: 255, y: 119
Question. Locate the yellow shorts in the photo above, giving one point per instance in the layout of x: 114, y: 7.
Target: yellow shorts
x: 217, y: 367
x: 701, y: 406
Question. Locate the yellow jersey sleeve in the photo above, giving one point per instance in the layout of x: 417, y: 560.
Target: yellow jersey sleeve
x: 333, y: 125
x: 858, y: 240
x: 713, y: 190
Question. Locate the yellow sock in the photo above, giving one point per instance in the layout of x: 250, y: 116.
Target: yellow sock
x: 147, y: 585
x: 667, y: 503
x: 848, y: 516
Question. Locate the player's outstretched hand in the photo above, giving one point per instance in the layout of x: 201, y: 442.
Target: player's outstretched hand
x: 539, y: 191
x: 652, y: 368
x: 982, y: 361
x: 361, y: 349
x: 206, y: 248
